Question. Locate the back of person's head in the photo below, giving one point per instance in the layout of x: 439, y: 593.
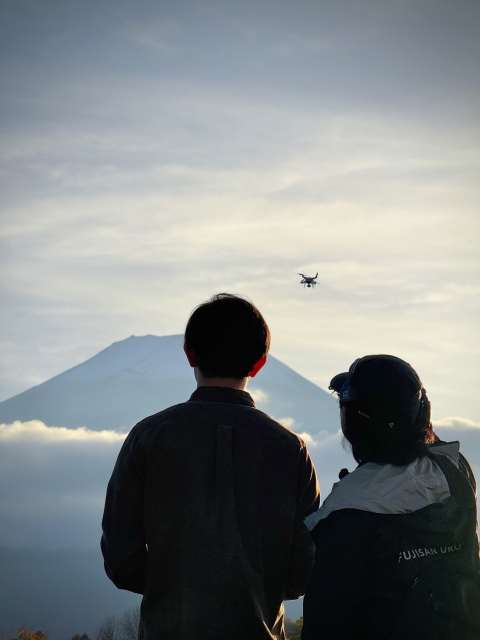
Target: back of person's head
x: 385, y: 410
x: 228, y: 336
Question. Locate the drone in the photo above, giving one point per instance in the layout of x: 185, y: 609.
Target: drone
x: 310, y: 282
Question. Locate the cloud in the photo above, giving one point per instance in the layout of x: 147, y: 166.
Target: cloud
x: 53, y: 480
x: 259, y: 396
x: 290, y: 423
x: 37, y: 431
x: 328, y: 456
x: 329, y: 453
x: 467, y: 433
x: 52, y: 484
x: 454, y: 422
x: 321, y: 439
x: 216, y: 210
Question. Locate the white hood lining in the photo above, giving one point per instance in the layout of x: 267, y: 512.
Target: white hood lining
x: 390, y: 489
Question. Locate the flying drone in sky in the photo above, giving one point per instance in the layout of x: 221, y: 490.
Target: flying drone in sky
x: 306, y: 280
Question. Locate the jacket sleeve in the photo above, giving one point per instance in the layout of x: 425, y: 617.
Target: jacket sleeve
x: 340, y: 578
x: 123, y: 541
x: 303, y: 549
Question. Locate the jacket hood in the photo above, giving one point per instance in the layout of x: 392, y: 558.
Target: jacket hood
x: 389, y: 489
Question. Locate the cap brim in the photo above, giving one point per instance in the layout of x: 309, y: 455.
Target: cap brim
x: 338, y: 381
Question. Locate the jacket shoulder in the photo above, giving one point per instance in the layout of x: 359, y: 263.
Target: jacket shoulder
x: 279, y: 430
x: 157, y: 420
x: 186, y: 411
x: 165, y: 414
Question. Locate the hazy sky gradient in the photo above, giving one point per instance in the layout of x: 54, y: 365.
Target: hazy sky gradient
x: 156, y: 153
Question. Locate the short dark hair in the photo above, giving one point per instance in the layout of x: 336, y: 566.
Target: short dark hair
x: 227, y: 335
x: 379, y: 422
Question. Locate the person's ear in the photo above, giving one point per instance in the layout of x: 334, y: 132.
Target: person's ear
x: 190, y: 355
x: 257, y: 366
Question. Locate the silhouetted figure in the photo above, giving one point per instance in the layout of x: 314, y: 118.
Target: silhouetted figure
x: 401, y: 523
x: 204, y: 511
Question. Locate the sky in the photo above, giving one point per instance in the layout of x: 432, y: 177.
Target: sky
x: 155, y: 153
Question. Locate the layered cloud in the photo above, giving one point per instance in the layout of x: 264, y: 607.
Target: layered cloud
x: 52, y: 484
x: 53, y: 480
x: 37, y: 431
x: 454, y: 422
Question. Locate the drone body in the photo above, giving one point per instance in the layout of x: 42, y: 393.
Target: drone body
x: 306, y: 280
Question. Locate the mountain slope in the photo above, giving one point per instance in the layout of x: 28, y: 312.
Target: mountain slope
x: 142, y: 375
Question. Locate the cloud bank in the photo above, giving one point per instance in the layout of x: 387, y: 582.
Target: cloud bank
x: 52, y: 484
x: 53, y: 480
x: 454, y: 422
x: 37, y: 431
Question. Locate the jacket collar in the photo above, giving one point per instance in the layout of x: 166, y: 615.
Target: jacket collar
x: 222, y: 394
x: 386, y: 489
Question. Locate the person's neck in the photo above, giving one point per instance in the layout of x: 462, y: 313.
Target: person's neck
x: 230, y: 383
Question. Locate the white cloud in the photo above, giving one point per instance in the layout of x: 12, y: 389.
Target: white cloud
x: 37, y: 431
x: 53, y: 480
x: 322, y: 439
x: 290, y: 423
x: 259, y: 396
x: 454, y: 422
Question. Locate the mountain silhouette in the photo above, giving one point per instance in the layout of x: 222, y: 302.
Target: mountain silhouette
x: 142, y: 375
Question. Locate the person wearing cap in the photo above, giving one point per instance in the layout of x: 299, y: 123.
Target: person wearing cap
x: 409, y: 503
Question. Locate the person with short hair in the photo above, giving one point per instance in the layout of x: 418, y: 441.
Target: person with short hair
x: 205, y: 507
x: 408, y: 505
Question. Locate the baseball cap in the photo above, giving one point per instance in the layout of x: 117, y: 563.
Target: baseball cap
x: 382, y: 380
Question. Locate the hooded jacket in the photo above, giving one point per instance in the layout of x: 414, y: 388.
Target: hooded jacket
x: 204, y: 517
x: 378, y: 530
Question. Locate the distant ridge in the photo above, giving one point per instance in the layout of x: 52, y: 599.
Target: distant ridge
x: 142, y: 375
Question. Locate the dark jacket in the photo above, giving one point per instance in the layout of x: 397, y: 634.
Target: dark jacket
x: 379, y: 529
x: 204, y: 517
